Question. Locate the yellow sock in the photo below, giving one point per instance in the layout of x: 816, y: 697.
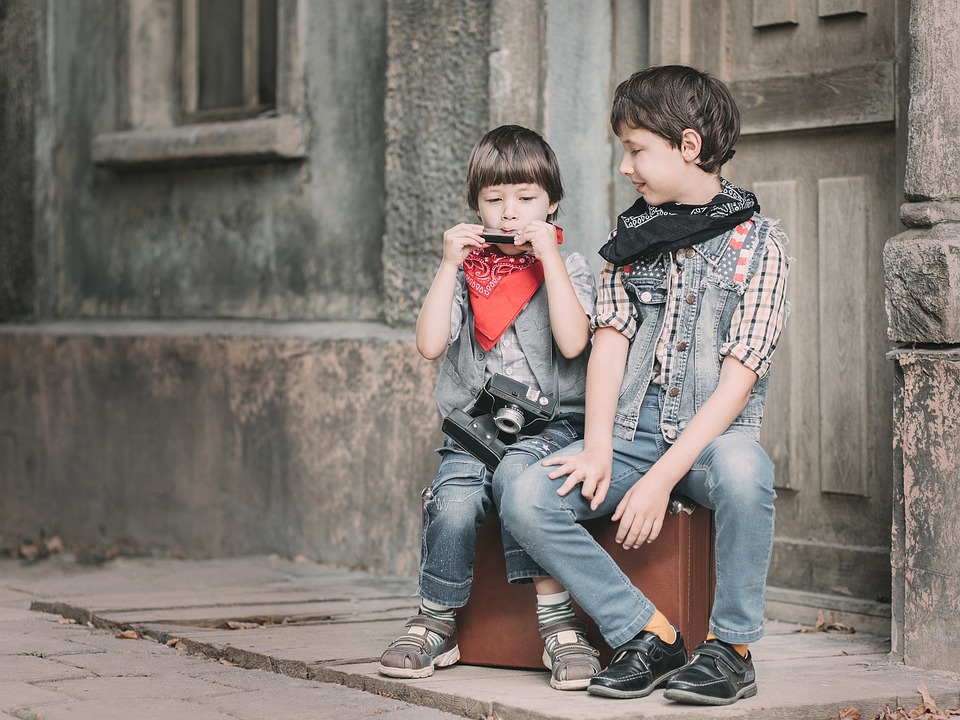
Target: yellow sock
x: 661, y: 627
x: 742, y: 649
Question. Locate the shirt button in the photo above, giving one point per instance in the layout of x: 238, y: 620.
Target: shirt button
x: 673, y: 392
x: 509, y: 371
x: 646, y: 296
x: 681, y: 346
x: 506, y: 343
x: 691, y: 298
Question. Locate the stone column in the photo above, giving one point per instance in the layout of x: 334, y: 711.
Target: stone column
x: 922, y: 275
x: 437, y: 106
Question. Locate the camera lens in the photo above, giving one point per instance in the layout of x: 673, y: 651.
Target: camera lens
x: 509, y: 419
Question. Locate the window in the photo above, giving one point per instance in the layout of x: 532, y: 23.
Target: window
x: 228, y: 58
x: 208, y: 82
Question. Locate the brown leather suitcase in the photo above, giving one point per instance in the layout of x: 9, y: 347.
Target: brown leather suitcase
x: 498, y: 626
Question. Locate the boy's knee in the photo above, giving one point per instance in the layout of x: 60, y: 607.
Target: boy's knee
x: 518, y: 505
x: 742, y: 468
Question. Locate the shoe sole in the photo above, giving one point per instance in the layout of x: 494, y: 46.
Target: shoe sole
x: 604, y: 691
x: 689, y: 697
x: 445, y: 660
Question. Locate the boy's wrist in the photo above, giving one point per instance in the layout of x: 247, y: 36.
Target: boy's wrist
x: 598, y: 445
x: 450, y: 264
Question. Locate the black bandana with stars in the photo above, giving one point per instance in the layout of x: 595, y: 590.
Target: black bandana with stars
x: 653, y: 229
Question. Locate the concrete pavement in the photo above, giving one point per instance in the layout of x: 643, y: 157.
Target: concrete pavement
x: 259, y: 637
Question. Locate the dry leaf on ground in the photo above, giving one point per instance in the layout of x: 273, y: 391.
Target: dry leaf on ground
x: 240, y: 625
x: 128, y: 635
x: 823, y: 625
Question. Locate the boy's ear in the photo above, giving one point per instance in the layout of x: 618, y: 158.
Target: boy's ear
x: 690, y: 145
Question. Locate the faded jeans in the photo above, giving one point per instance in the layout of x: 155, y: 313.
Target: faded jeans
x: 460, y: 498
x: 732, y: 476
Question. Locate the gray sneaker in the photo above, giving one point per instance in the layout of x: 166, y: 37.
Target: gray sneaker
x: 573, y: 661
x: 414, y: 655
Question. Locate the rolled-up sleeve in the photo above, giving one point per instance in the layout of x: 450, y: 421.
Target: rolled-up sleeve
x: 583, y: 282
x: 614, y: 308
x: 456, y: 309
x: 758, y: 320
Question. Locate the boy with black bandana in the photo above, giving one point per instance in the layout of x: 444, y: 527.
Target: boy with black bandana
x: 522, y: 309
x: 691, y: 305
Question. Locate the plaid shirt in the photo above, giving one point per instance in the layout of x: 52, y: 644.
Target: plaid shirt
x: 756, y: 323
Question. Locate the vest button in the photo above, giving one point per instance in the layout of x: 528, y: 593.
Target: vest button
x: 691, y: 298
x: 479, y: 356
x: 672, y: 433
x: 646, y: 296
x: 673, y: 392
x: 690, y: 252
x: 682, y: 345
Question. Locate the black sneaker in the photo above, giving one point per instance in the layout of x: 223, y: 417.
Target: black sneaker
x: 717, y: 675
x: 639, y: 666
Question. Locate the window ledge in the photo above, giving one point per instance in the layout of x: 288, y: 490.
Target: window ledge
x: 261, y: 140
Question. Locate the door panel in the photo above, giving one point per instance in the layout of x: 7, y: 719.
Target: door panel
x: 815, y: 84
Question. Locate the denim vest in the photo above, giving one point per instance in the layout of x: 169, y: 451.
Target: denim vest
x: 462, y: 374
x: 715, y: 284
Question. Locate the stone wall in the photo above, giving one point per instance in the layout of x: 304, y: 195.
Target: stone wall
x: 922, y: 274
x: 926, y: 526
x: 209, y: 439
x: 214, y: 236
x: 436, y: 108
x: 18, y: 86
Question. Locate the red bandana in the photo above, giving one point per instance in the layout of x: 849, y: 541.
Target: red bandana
x: 499, y: 286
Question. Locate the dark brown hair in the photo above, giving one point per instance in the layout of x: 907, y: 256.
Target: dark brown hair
x: 513, y: 155
x: 668, y: 99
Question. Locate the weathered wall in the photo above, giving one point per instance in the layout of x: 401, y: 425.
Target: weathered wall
x: 293, y: 240
x: 926, y: 537
x: 922, y: 272
x: 213, y: 439
x: 436, y: 109
x: 18, y: 86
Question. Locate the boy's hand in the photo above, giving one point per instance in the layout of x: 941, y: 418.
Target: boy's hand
x: 591, y: 468
x: 459, y: 241
x: 641, y: 512
x: 542, y: 238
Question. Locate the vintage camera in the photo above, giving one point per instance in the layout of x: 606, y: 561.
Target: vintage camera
x: 502, y: 410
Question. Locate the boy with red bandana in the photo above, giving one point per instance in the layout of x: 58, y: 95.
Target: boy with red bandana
x: 521, y: 309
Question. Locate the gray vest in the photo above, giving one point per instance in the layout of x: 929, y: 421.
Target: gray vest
x: 462, y: 374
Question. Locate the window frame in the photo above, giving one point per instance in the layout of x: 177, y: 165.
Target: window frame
x: 152, y: 127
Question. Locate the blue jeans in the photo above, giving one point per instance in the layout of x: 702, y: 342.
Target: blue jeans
x: 460, y: 498
x: 732, y: 476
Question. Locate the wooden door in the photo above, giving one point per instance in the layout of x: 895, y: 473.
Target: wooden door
x: 815, y: 81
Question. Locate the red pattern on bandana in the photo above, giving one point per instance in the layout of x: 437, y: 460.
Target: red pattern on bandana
x: 499, y: 286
